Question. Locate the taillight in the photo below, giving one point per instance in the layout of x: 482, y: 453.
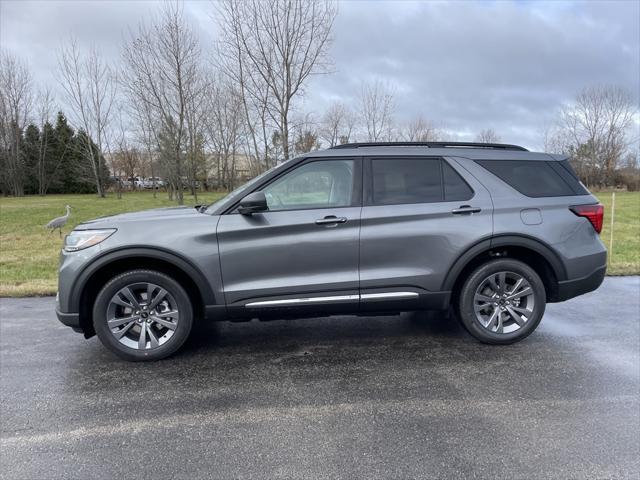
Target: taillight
x: 593, y: 213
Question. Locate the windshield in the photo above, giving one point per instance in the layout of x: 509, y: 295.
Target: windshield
x: 211, y: 208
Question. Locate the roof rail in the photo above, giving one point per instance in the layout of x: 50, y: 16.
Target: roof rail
x: 494, y: 146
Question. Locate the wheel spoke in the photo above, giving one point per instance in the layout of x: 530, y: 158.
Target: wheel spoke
x: 525, y: 311
x: 500, y: 326
x: 120, y: 301
x: 150, y: 289
x: 158, y: 298
x: 165, y: 323
x: 492, y: 319
x: 483, y: 298
x: 116, y: 322
x: 518, y: 319
x: 142, y: 339
x: 152, y: 337
x: 493, y: 284
x: 502, y: 281
x: 522, y: 293
x: 120, y: 333
x: 516, y: 286
x: 168, y: 313
x: 131, y: 297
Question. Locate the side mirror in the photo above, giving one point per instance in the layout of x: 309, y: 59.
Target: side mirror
x: 253, y: 203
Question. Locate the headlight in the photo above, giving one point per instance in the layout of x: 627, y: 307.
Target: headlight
x: 81, y: 239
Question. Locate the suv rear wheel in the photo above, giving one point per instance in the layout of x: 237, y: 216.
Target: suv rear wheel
x: 142, y: 315
x: 502, y: 301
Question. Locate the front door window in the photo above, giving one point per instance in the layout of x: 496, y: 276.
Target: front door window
x: 320, y: 184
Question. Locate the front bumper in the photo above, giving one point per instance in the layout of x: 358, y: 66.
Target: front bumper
x: 69, y: 319
x: 572, y: 288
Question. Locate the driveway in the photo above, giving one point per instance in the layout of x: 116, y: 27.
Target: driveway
x: 378, y: 397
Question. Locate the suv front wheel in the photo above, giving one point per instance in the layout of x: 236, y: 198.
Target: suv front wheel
x: 142, y: 315
x: 502, y: 301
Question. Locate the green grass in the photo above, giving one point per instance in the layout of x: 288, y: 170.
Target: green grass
x: 29, y: 253
x: 624, y: 258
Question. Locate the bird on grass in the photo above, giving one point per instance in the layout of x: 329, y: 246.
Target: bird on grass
x: 58, y: 223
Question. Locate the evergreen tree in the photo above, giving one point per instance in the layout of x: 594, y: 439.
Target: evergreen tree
x: 63, y: 151
x: 31, y: 149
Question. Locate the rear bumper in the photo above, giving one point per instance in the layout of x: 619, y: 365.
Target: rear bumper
x: 572, y: 288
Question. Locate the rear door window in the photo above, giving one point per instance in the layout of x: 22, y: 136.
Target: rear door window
x: 406, y: 180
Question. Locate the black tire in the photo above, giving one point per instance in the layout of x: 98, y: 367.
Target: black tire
x: 177, y: 293
x: 465, y: 301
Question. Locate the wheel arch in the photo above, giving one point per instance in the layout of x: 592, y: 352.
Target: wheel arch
x: 533, y: 252
x: 94, y: 277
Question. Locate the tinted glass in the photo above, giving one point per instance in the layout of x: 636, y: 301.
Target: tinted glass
x: 565, y: 170
x: 397, y: 180
x: 531, y: 178
x: 455, y: 188
x: 313, y: 185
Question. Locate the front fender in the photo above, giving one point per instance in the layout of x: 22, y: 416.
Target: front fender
x: 175, y: 259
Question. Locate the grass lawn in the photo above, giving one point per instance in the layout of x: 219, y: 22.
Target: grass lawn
x: 624, y: 258
x: 29, y: 253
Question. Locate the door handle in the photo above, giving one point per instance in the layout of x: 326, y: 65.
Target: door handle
x: 465, y: 209
x: 331, y: 220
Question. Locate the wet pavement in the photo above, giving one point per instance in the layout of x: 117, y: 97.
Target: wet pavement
x: 344, y: 397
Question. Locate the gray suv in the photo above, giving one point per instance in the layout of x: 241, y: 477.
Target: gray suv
x: 492, y: 230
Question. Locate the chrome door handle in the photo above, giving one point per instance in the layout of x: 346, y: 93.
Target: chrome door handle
x: 465, y: 209
x: 331, y: 220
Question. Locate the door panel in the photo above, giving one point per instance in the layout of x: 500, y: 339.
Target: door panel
x: 305, y: 246
x: 414, y: 245
x: 285, y: 253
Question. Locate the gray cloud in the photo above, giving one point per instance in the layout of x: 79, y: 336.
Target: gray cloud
x: 466, y: 65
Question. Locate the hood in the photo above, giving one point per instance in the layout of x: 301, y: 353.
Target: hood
x: 166, y: 213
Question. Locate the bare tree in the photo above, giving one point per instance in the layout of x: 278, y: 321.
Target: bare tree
x: 306, y: 141
x: 337, y: 125
x: 596, y: 128
x: 233, y: 63
x: 16, y: 98
x: 420, y: 130
x: 42, y: 170
x: 377, y: 109
x: 272, y: 47
x: 162, y: 66
x: 195, y: 116
x: 224, y: 124
x: 89, y: 84
x: 146, y: 134
x: 488, y: 136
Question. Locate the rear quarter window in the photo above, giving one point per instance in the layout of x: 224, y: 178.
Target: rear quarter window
x: 534, y: 178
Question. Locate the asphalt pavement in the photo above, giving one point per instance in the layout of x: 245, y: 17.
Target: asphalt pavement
x: 343, y: 397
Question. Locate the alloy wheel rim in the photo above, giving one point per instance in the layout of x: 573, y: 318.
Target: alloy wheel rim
x: 142, y: 316
x: 504, y: 302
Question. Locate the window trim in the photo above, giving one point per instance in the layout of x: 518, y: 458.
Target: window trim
x: 368, y: 179
x: 356, y: 197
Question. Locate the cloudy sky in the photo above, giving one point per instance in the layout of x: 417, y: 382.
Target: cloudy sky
x: 464, y: 65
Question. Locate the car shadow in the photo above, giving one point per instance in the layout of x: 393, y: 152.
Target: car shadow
x: 334, y: 331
